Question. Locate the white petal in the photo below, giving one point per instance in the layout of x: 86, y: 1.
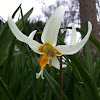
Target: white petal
x: 21, y: 37
x: 56, y: 64
x: 73, y: 36
x: 72, y: 49
x: 64, y: 66
x: 31, y: 36
x: 52, y: 26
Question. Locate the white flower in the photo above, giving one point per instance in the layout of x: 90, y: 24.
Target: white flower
x: 49, y: 39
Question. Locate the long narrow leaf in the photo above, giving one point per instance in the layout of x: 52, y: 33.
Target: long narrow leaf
x: 5, y: 89
x: 54, y: 85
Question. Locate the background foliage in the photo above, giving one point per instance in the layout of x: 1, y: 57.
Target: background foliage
x: 18, y: 67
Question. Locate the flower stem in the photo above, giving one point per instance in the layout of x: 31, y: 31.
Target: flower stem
x: 61, y: 80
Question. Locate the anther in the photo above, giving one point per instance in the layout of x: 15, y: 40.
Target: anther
x: 40, y: 59
x: 45, y: 63
x: 50, y: 63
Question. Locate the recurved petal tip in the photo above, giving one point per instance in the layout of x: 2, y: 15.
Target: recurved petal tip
x: 22, y: 37
x: 72, y: 49
x: 31, y: 36
x: 73, y: 36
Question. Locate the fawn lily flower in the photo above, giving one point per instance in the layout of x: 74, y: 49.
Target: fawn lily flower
x: 48, y: 49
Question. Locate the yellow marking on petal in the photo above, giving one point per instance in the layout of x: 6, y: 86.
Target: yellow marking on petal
x: 44, y: 63
x: 57, y: 52
x: 40, y: 49
x: 50, y: 63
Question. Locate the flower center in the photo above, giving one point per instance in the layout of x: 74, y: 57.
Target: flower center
x: 49, y: 53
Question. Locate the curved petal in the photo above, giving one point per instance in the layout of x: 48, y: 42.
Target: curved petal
x: 31, y: 36
x: 21, y: 37
x: 56, y: 64
x: 52, y: 26
x: 73, y: 36
x: 72, y: 49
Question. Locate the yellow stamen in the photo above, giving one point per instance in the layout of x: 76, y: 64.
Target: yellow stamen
x: 43, y: 59
x: 39, y: 59
x: 49, y: 53
x: 50, y: 63
x: 44, y: 56
x: 44, y: 63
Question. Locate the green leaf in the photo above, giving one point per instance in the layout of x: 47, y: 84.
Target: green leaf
x: 54, y: 85
x: 5, y: 90
x: 89, y: 62
x: 16, y: 11
x: 87, y: 80
x: 6, y: 35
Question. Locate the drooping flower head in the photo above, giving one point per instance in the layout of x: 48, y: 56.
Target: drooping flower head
x: 48, y: 49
